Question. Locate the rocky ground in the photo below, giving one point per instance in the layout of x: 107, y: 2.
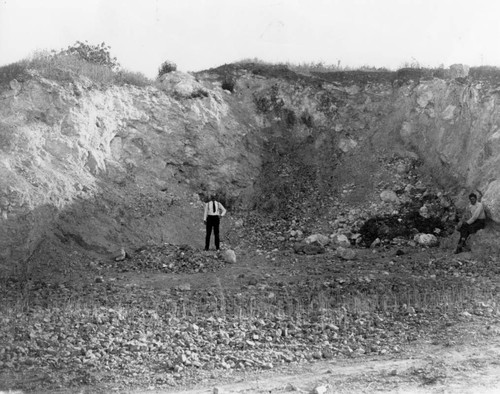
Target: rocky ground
x: 172, y: 317
x: 332, y: 295
x: 344, y: 280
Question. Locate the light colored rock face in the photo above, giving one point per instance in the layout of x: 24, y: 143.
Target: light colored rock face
x: 460, y: 139
x: 96, y: 155
x: 183, y: 85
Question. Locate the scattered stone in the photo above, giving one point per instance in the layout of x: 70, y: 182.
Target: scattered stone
x: 309, y: 249
x: 346, y: 253
x: 320, y: 389
x: 389, y: 196
x: 341, y: 240
x: 357, y: 238
x: 424, y: 212
x: 170, y: 258
x: 426, y: 240
x: 290, y: 387
x: 402, y: 168
x: 120, y: 255
x: 327, y: 353
x: 229, y: 256
x: 319, y: 238
x: 184, y: 287
x: 296, y: 233
x: 347, y: 144
x: 15, y: 85
x: 424, y: 96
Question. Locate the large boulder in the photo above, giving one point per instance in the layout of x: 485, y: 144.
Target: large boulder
x: 491, y: 200
x: 308, y: 248
x: 428, y: 240
x: 340, y: 240
x: 229, y: 256
x: 323, y: 240
x: 346, y: 253
x: 459, y: 70
x: 182, y: 84
x: 389, y: 196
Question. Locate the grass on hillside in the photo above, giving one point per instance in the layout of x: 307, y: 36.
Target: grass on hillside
x: 407, y: 71
x: 65, y: 67
x: 307, y: 67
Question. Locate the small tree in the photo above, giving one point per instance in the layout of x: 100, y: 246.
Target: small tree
x: 97, y: 54
x: 166, y: 67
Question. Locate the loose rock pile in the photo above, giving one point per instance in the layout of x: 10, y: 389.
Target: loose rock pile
x: 169, y: 258
x: 407, y: 211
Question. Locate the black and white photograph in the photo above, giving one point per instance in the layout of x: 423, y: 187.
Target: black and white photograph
x: 249, y: 197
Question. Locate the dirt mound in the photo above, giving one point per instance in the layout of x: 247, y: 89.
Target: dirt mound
x: 169, y: 258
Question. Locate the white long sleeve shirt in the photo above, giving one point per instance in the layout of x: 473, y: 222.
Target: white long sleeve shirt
x: 209, y: 209
x: 477, y: 212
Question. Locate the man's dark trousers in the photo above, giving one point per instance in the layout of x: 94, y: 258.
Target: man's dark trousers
x: 212, y: 221
x: 468, y: 229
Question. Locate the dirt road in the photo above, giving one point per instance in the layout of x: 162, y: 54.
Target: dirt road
x: 471, y: 368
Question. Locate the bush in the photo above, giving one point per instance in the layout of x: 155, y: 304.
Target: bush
x: 132, y: 78
x: 269, y: 101
x: 166, y: 67
x: 13, y: 71
x: 262, y: 103
x: 96, y: 54
x: 65, y: 67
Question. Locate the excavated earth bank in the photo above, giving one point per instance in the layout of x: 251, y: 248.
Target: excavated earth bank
x: 109, y: 167
x: 343, y: 190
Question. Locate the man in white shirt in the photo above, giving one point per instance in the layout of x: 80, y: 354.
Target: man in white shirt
x: 213, y: 212
x: 473, y: 224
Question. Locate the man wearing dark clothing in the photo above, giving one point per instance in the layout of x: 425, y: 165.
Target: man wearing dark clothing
x: 213, y: 212
x: 475, y: 223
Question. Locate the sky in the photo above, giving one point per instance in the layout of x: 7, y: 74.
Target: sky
x: 201, y: 34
